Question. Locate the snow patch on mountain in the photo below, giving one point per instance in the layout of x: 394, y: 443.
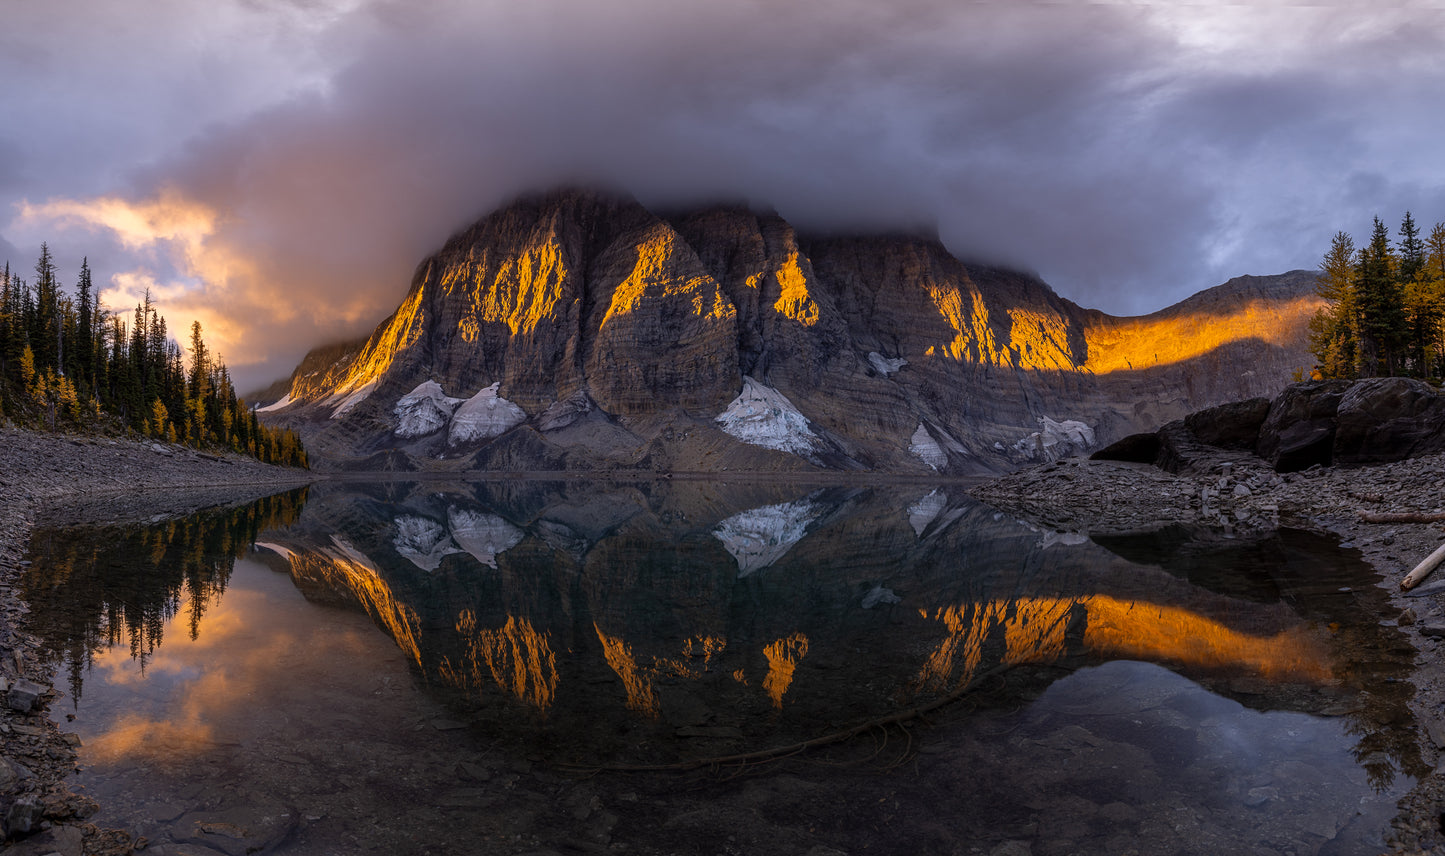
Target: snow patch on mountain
x: 284, y: 401
x: 342, y: 400
x: 424, y: 410
x: 762, y: 416
x: 878, y: 594
x: 925, y: 447
x: 758, y: 537
x: 483, y: 416
x: 1055, y: 440
x: 885, y: 365
x: 485, y: 536
x: 422, y: 541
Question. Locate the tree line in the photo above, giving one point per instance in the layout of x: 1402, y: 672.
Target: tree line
x: 1386, y: 312
x: 66, y: 361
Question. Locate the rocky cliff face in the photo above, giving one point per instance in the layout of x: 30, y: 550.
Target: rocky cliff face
x: 581, y: 331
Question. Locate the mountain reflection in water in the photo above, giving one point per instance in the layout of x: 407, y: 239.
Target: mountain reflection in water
x: 600, y: 623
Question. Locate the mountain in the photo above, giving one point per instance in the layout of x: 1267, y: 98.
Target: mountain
x: 578, y: 330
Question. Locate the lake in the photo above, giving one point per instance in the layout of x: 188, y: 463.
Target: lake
x: 523, y: 666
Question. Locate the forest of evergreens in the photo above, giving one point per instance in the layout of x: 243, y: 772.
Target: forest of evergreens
x: 68, y: 363
x: 1386, y: 313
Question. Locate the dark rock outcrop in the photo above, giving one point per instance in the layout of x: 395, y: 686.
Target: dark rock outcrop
x: 1336, y: 422
x: 1388, y: 419
x: 1230, y: 426
x: 601, y: 325
x: 1299, y: 431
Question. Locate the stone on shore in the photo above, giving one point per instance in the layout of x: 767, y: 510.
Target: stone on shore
x: 23, y: 695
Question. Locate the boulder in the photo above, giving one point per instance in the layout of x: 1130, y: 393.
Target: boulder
x: 1299, y: 431
x: 1386, y: 419
x: 1135, y: 448
x: 1230, y: 426
x: 23, y: 695
x: 20, y: 816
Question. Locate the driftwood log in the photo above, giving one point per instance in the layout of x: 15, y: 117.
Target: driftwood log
x: 1423, y: 569
x: 1402, y: 517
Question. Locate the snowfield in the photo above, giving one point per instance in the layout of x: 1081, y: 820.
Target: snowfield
x: 1055, y: 440
x: 762, y: 416
x: 424, y: 410
x: 483, y: 416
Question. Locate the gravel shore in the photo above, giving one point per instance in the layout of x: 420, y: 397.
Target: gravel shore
x: 1238, y: 493
x: 37, y: 470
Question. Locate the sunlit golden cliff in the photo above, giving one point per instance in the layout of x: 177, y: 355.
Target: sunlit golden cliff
x: 573, y: 299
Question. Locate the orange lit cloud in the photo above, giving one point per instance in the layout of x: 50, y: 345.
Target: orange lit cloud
x: 212, y: 696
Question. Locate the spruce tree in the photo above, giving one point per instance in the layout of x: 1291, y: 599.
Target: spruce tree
x: 44, y: 332
x: 1334, y: 331
x: 83, y: 348
x: 1382, y: 314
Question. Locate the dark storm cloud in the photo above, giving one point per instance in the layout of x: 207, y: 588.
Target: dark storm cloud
x: 1130, y: 154
x: 9, y: 254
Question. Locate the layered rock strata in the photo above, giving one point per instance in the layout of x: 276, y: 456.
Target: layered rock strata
x: 585, y: 331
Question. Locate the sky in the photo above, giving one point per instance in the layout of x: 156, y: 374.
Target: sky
x: 276, y: 169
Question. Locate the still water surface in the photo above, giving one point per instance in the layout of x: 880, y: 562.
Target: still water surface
x: 505, y: 666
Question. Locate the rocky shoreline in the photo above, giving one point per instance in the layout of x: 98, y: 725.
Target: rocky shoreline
x: 38, y: 469
x: 1238, y: 494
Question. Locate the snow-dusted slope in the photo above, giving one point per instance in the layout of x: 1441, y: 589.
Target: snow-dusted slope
x: 483, y: 416
x: 342, y: 402
x: 1055, y: 440
x: 885, y: 365
x: 758, y: 537
x: 926, y: 448
x: 423, y: 410
x: 762, y: 416
x: 284, y: 401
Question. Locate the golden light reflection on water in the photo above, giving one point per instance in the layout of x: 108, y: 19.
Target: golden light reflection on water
x: 518, y: 657
x: 637, y: 685
x: 347, y: 569
x: 1035, y: 630
x: 783, y: 656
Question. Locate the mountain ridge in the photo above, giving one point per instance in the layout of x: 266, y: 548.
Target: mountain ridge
x: 613, y: 330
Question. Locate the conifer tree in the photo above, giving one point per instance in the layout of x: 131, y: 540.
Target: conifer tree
x: 1382, y: 314
x: 43, y: 328
x: 1334, y: 331
x: 83, y: 347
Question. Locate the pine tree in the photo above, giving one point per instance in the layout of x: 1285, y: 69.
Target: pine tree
x: 83, y: 347
x: 1334, y: 331
x: 44, y: 329
x: 1382, y: 314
